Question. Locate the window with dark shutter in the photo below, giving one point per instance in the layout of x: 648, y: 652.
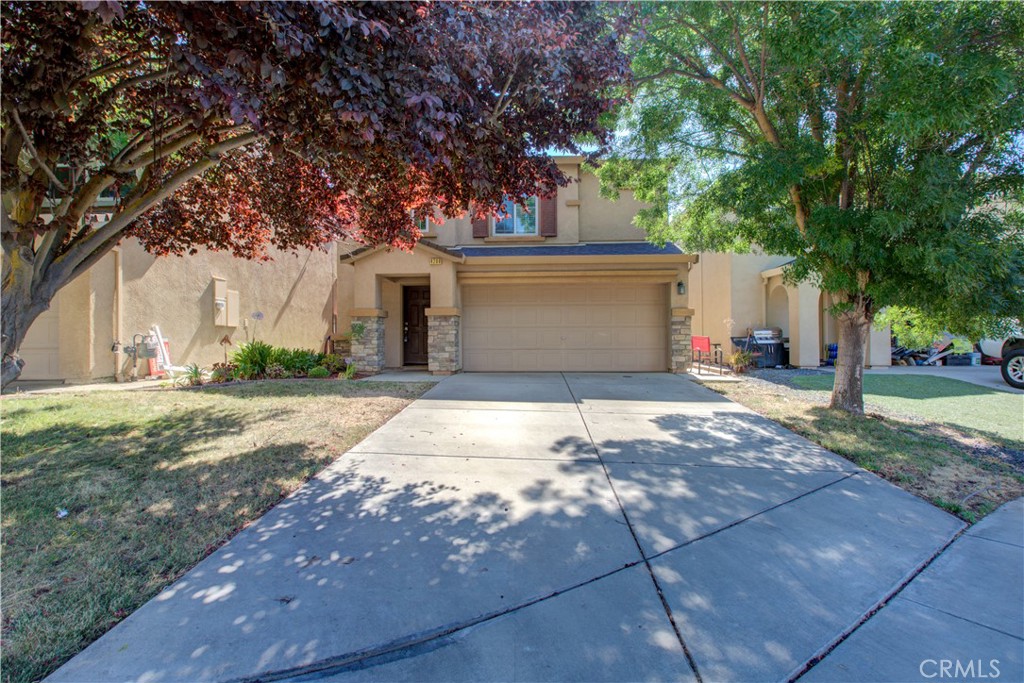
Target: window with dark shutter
x: 548, y: 216
x: 480, y: 227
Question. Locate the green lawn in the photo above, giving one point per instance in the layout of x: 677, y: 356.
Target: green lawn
x: 153, y: 482
x: 987, y: 412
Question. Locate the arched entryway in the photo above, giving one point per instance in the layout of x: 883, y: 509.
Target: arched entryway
x: 777, y: 310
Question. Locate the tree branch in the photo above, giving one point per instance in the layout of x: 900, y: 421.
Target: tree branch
x: 145, y: 157
x: 154, y: 130
x: 737, y: 37
x: 13, y: 109
x: 501, y: 105
x: 977, y: 161
x: 69, y: 262
x: 726, y: 60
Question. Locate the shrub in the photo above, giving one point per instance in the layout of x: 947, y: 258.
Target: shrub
x: 741, y: 360
x: 193, y: 376
x: 252, y: 359
x: 350, y: 369
x: 223, y: 372
x: 296, y: 361
x: 275, y: 371
x: 334, y: 363
x: 319, y: 372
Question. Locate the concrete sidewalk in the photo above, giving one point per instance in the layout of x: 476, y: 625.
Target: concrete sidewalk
x: 965, y: 612
x: 543, y: 527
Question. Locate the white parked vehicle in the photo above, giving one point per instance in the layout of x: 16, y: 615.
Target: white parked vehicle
x: 1011, y: 350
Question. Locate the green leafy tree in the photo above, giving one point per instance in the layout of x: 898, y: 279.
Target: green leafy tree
x: 879, y: 144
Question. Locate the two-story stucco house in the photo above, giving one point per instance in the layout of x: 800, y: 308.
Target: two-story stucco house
x: 564, y: 283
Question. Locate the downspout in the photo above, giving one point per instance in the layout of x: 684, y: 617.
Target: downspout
x: 118, y: 320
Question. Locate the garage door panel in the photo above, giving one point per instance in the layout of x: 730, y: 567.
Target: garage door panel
x: 625, y: 295
x: 600, y: 315
x: 565, y: 328
x: 600, y: 339
x: 625, y: 315
x: 575, y: 317
x: 525, y: 316
x: 549, y: 315
x: 649, y: 317
x: 525, y: 338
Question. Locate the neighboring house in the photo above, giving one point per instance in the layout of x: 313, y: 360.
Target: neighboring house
x: 731, y: 293
x: 567, y: 285
x: 129, y: 291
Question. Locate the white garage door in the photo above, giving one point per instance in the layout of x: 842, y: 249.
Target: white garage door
x: 571, y: 327
x: 40, y: 348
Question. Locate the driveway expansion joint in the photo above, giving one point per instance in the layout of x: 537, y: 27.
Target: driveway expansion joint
x: 636, y: 539
x: 749, y: 517
x: 993, y: 540
x: 960, y: 617
x: 821, y: 654
x: 407, y: 646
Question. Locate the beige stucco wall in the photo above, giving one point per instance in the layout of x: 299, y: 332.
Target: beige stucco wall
x: 295, y: 293
x: 76, y: 334
x: 710, y: 296
x: 603, y: 220
x: 583, y: 215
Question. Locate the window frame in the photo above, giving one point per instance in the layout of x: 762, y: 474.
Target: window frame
x: 518, y: 210
x: 429, y: 225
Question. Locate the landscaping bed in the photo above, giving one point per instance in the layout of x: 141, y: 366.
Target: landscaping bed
x: 951, y: 445
x: 110, y: 496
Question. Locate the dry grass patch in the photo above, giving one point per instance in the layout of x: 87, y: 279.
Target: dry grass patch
x: 153, y: 482
x: 962, y: 472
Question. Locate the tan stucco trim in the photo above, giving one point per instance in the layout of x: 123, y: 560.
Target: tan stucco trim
x: 682, y: 312
x: 566, y: 260
x: 566, y: 276
x: 778, y: 271
x: 573, y: 202
x: 368, y: 313
x: 443, y: 310
x: 359, y: 255
x: 514, y: 239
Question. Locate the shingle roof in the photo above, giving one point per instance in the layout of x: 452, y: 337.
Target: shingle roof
x: 584, y: 249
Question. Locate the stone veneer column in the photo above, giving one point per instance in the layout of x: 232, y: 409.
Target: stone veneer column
x: 368, y: 348
x: 443, y: 356
x: 680, y: 342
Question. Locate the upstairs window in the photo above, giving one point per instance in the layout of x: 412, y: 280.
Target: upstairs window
x: 520, y: 219
x: 425, y: 224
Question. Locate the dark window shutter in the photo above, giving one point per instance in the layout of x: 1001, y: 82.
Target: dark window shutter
x: 548, y: 210
x: 480, y: 227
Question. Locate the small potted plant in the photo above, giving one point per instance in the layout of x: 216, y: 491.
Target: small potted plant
x: 740, y: 361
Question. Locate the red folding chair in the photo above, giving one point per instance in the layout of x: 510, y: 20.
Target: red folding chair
x: 705, y: 352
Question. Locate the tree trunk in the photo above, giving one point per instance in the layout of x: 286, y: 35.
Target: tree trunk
x: 21, y: 305
x: 853, y: 327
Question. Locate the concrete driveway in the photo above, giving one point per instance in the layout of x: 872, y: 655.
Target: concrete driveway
x: 543, y: 527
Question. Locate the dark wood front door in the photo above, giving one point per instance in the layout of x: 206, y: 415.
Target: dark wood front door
x: 415, y: 301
